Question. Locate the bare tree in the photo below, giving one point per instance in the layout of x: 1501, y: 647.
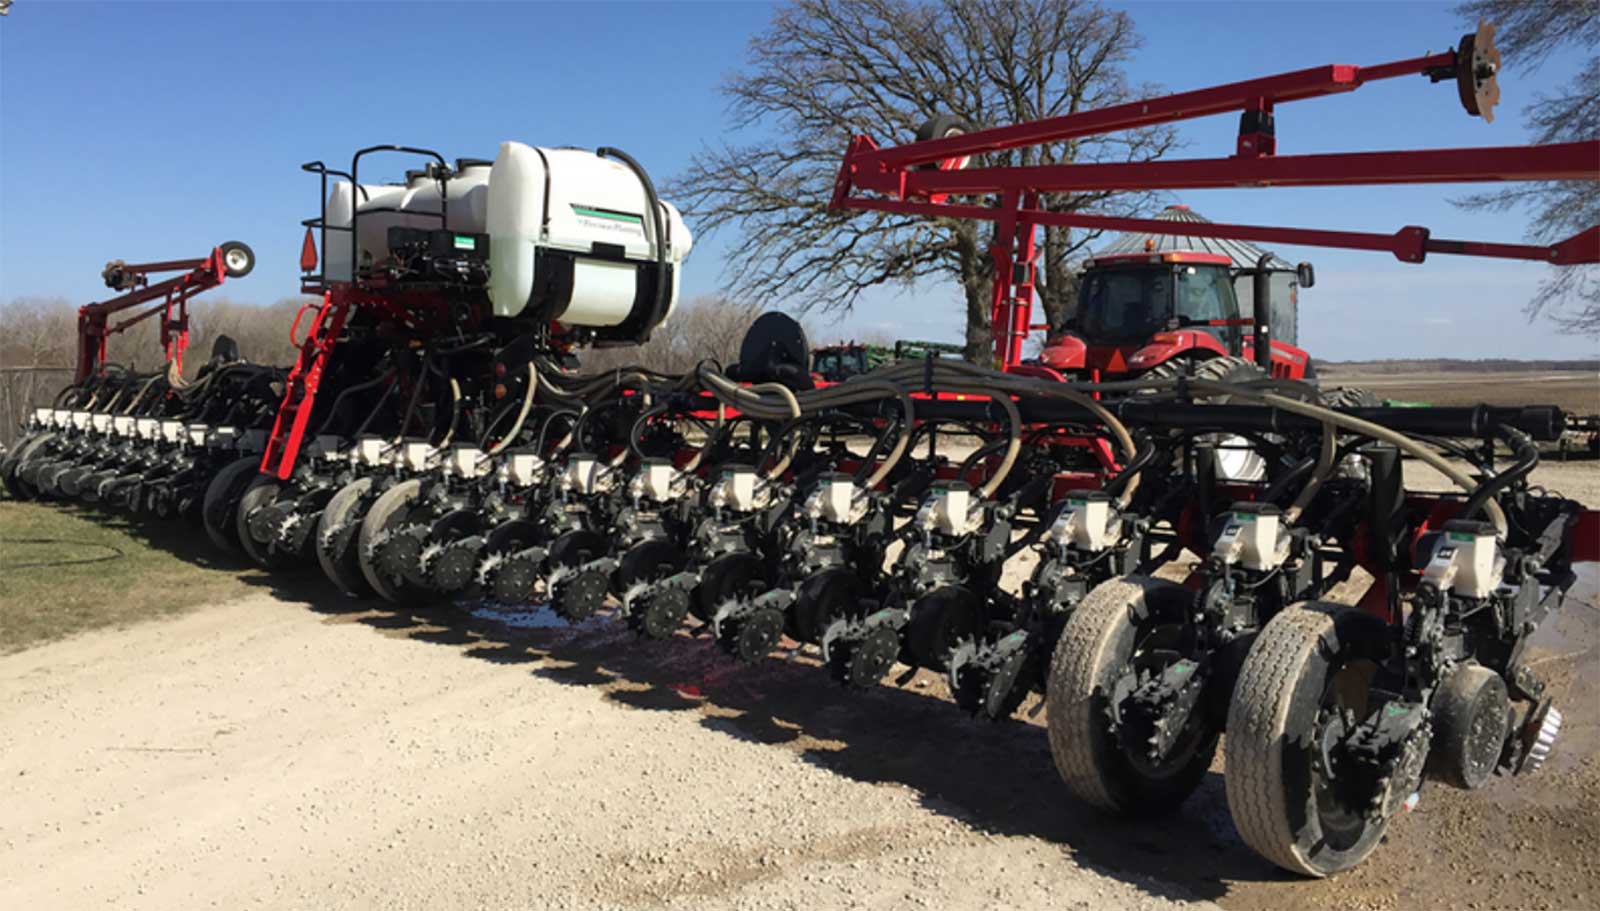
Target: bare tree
x: 826, y: 70
x: 1529, y: 32
x: 704, y: 328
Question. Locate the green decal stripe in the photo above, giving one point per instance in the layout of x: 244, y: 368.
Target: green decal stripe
x: 614, y: 216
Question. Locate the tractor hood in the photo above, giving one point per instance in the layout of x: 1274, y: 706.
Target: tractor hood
x: 1067, y: 352
x: 1070, y: 352
x: 1163, y: 346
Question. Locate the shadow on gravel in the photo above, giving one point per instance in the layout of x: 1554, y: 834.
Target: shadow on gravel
x: 998, y: 778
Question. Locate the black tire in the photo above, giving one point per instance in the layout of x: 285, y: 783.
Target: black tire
x: 941, y: 125
x: 1272, y: 787
x: 1096, y: 646
x: 261, y: 492
x: 237, y: 259
x: 1351, y: 397
x: 343, y: 566
x: 218, y: 510
x: 387, y: 511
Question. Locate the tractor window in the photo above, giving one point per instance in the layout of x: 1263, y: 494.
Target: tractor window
x: 1124, y: 304
x: 1205, y: 293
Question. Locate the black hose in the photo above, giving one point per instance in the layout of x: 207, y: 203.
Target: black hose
x: 544, y: 428
x: 978, y: 455
x: 376, y: 409
x: 637, y: 429
x: 416, y: 393
x: 1142, y: 457
x: 333, y: 409
x: 1527, y: 458
x: 663, y: 286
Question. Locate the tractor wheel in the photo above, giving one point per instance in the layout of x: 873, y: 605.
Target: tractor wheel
x: 1298, y: 676
x: 1229, y: 370
x: 219, y: 510
x: 1351, y: 397
x: 337, y: 549
x: 1129, y: 625
x: 388, y: 511
x: 237, y: 259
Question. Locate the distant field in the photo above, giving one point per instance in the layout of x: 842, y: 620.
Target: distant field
x: 1577, y: 391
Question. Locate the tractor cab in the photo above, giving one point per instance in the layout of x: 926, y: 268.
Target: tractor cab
x: 1137, y: 311
x: 837, y: 363
x: 1128, y: 299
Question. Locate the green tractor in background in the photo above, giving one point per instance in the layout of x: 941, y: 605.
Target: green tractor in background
x: 837, y: 363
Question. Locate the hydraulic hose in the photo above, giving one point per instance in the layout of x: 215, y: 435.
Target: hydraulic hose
x: 657, y: 234
x: 1324, y: 467
x: 1497, y: 515
x: 1527, y: 459
x: 522, y: 414
x: 376, y: 408
x: 455, y: 413
x: 411, y: 406
x: 333, y: 409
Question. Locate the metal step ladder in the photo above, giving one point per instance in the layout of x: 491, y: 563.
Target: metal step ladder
x: 289, y: 428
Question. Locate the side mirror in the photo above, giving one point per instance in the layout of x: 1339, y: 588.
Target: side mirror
x: 1304, y: 275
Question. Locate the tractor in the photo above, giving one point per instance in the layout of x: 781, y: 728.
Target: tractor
x: 1166, y: 313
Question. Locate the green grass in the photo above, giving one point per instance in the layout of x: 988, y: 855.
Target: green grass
x: 101, y: 569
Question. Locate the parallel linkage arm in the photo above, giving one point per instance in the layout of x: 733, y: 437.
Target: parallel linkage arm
x: 172, y: 296
x: 918, y: 178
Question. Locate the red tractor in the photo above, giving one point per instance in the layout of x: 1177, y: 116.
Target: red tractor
x: 1167, y: 312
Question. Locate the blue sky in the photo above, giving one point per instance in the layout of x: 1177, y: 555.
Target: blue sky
x: 133, y: 130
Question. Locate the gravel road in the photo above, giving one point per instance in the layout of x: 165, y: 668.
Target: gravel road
x: 263, y: 753
x: 292, y: 750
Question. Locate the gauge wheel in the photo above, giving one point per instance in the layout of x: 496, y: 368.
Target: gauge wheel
x: 1126, y: 625
x: 260, y: 492
x: 219, y: 508
x: 19, y: 488
x: 388, y: 511
x: 1299, y: 672
x: 338, y: 551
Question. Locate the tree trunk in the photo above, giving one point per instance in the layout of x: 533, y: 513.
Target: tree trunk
x: 980, y: 334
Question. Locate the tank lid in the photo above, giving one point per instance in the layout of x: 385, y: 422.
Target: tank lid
x: 464, y: 163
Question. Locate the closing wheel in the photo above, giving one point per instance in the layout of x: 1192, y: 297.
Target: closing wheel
x: 259, y: 494
x: 648, y: 561
x: 219, y: 510
x: 659, y: 614
x: 1300, y: 675
x: 1129, y: 626
x: 237, y: 259
x: 725, y: 578
x: 337, y: 529
x: 388, y: 512
x: 940, y: 620
x: 825, y: 596
x: 753, y: 636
